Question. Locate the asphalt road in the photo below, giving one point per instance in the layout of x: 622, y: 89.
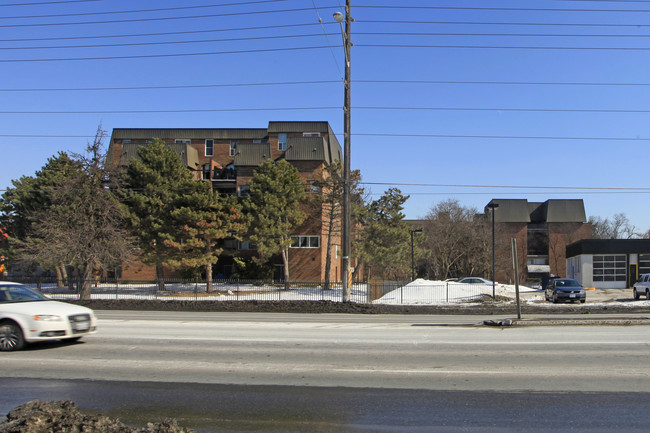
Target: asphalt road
x: 344, y: 373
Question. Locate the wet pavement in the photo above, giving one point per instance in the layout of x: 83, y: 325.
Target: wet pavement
x: 266, y: 409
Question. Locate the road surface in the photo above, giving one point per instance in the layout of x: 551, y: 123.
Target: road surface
x: 400, y: 367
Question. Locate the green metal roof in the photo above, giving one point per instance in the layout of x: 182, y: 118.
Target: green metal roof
x: 189, y: 133
x: 252, y: 154
x: 188, y: 154
x: 306, y: 149
x: 550, y: 211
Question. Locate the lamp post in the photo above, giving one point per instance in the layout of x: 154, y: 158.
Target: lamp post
x: 493, y: 206
x: 338, y: 17
x: 412, y: 255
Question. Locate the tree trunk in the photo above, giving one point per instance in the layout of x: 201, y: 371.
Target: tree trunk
x: 208, y: 277
x: 60, y: 276
x: 160, y: 276
x: 85, y: 284
x: 328, y: 259
x: 285, y: 261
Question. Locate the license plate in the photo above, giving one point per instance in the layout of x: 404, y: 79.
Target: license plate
x: 572, y: 296
x: 81, y: 326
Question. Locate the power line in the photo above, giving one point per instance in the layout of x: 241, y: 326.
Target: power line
x: 258, y: 38
x: 48, y: 3
x: 214, y: 53
x: 135, y: 44
x: 188, y: 32
x: 406, y: 135
x: 219, y: 110
x: 437, y: 185
x: 502, y: 137
x: 483, y: 23
x: 287, y: 83
x: 308, y: 9
x: 139, y: 20
x: 80, y: 14
x: 150, y: 56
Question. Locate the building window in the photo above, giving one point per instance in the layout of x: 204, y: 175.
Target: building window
x: 282, y: 141
x: 233, y: 147
x: 257, y: 141
x: 209, y: 147
x: 243, y: 191
x: 610, y: 268
x: 126, y: 141
x: 206, y: 171
x: 247, y: 245
x: 183, y: 141
x: 305, y: 241
x: 644, y: 264
x: 311, y: 134
x: 312, y: 187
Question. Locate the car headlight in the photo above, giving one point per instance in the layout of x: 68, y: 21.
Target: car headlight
x: 47, y: 318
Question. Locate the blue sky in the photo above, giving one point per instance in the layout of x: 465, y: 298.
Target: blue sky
x: 462, y: 99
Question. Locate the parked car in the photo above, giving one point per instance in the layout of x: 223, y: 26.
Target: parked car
x: 475, y: 280
x: 565, y: 289
x: 642, y: 287
x: 26, y: 316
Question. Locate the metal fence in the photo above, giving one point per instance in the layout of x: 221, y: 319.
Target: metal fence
x: 420, y: 292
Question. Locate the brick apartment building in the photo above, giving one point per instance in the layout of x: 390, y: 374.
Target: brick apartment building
x: 542, y: 230
x: 227, y: 158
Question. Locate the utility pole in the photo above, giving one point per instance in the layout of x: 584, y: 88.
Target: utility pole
x: 346, y: 241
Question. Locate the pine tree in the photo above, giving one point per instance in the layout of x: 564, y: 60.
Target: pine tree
x: 201, y: 220
x: 274, y: 209
x: 384, y: 244
x: 150, y: 188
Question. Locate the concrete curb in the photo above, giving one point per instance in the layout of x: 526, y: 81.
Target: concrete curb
x: 594, y: 321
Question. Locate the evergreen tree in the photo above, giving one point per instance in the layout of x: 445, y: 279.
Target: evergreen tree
x: 385, y: 241
x: 30, y: 197
x: 274, y: 209
x: 150, y: 188
x: 201, y: 220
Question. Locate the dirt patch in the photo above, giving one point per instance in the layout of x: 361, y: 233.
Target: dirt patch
x: 63, y: 416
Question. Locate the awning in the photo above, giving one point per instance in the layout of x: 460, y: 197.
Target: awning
x: 539, y: 269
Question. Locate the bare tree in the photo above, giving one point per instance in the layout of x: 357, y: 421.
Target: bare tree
x: 619, y: 227
x: 458, y: 240
x: 83, y: 225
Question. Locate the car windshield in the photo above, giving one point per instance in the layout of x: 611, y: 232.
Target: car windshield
x: 17, y: 293
x: 567, y: 283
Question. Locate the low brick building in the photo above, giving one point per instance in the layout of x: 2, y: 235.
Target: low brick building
x: 227, y: 158
x: 542, y: 230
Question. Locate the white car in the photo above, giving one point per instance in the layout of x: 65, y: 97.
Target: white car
x: 27, y: 316
x: 475, y: 280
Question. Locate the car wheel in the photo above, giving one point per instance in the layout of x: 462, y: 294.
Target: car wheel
x: 11, y: 337
x: 636, y: 294
x: 582, y: 301
x: 554, y: 298
x: 647, y: 295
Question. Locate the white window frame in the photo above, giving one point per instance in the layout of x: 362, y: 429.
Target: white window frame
x: 233, y: 147
x: 282, y: 141
x: 311, y: 134
x: 182, y: 141
x: 211, y: 153
x: 305, y: 241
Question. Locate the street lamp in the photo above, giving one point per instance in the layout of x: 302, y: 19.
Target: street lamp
x: 493, y: 206
x: 338, y: 17
x: 412, y: 255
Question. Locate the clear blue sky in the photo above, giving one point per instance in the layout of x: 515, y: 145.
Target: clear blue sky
x: 500, y: 95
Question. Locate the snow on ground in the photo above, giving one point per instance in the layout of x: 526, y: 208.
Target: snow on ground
x: 418, y: 292
x: 426, y: 292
